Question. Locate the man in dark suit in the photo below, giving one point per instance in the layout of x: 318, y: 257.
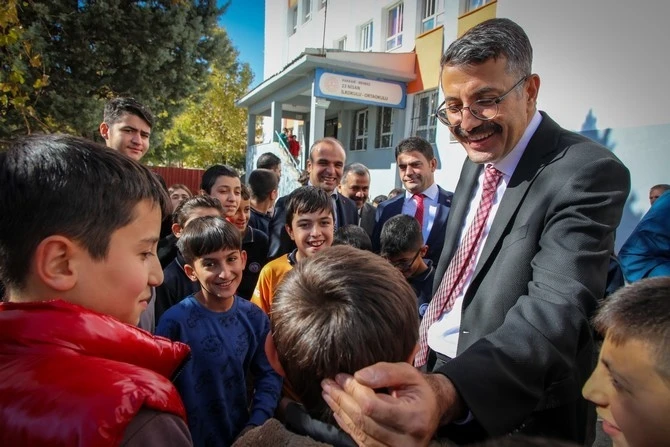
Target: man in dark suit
x: 325, y: 165
x: 512, y: 346
x: 355, y: 185
x: 416, y: 167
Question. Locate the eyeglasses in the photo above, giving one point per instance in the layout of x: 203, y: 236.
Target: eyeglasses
x: 482, y: 109
x: 404, y: 266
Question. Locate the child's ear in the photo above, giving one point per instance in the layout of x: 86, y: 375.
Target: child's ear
x: 56, y: 262
x: 190, y: 272
x: 289, y: 230
x: 176, y: 230
x: 410, y: 360
x: 274, y: 194
x: 243, y: 256
x: 424, y: 250
x: 273, y: 357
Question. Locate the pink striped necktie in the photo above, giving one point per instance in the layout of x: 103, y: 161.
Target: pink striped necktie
x: 460, y: 266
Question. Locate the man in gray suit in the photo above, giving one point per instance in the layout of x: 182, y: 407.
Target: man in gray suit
x: 511, y: 345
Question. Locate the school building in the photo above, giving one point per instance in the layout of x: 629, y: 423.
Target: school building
x: 367, y: 73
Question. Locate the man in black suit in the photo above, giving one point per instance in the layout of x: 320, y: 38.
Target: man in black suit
x: 356, y: 186
x: 416, y: 167
x: 512, y: 349
x: 325, y: 165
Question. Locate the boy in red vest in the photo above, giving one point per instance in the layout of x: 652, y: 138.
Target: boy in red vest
x: 78, y: 257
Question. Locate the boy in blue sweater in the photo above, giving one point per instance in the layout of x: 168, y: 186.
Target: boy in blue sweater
x: 226, y: 335
x: 402, y: 245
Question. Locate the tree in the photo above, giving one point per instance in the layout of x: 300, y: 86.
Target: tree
x: 158, y: 51
x: 211, y: 129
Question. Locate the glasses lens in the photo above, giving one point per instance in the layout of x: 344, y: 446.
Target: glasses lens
x: 484, y: 109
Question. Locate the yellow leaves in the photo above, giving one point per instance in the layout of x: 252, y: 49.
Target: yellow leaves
x: 41, y: 82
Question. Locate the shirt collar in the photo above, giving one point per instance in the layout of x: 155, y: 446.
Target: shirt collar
x: 431, y: 192
x: 333, y: 194
x: 508, y: 164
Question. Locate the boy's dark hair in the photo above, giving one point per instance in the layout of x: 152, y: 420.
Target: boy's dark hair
x: 394, y: 192
x: 207, y: 234
x: 307, y: 199
x: 185, y: 208
x: 117, y: 107
x: 379, y: 199
x: 640, y: 311
x: 339, y: 311
x: 415, y: 144
x: 400, y: 234
x: 60, y: 184
x: 214, y: 172
x: 182, y: 187
x: 262, y: 182
x: 244, y: 192
x: 354, y: 236
x: 268, y: 160
x: 661, y: 186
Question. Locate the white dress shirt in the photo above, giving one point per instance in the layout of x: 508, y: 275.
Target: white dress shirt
x: 443, y: 334
x: 430, y: 205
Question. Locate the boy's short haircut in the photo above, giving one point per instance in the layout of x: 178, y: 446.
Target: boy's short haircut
x: 262, y: 182
x: 185, y: 208
x: 182, y: 187
x: 268, y: 160
x: 214, y: 172
x: 379, y: 199
x: 400, y: 234
x: 339, y: 311
x: 307, y: 199
x: 354, y: 236
x: 71, y: 186
x: 244, y: 192
x: 117, y: 107
x: 640, y: 311
x: 208, y: 234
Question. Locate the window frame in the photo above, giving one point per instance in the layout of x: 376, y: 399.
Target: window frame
x: 293, y: 20
x: 360, y: 135
x: 432, y: 12
x: 341, y: 44
x: 395, y: 26
x: 379, y: 132
x: 306, y: 11
x: 366, y: 36
x: 427, y: 131
x: 471, y: 5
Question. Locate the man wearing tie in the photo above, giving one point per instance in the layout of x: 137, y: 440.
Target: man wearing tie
x: 325, y: 165
x: 423, y: 198
x: 525, y: 259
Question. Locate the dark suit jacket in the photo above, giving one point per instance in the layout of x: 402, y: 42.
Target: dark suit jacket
x: 368, y: 218
x: 393, y: 207
x: 525, y: 347
x: 281, y: 243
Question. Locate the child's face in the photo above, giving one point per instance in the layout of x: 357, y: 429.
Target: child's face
x: 219, y: 273
x: 120, y: 284
x: 630, y: 396
x: 408, y: 262
x: 229, y: 192
x: 177, y: 196
x: 311, y: 232
x: 196, y: 212
x: 241, y: 217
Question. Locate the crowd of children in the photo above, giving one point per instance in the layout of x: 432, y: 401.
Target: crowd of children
x: 75, y: 369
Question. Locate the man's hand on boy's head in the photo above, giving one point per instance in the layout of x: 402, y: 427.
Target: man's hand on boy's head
x: 372, y: 418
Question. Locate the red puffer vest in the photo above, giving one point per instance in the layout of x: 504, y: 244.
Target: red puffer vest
x: 73, y: 377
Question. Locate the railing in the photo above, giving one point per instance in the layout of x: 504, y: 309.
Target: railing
x: 290, y: 170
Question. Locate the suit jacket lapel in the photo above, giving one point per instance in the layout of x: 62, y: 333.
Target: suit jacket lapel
x: 532, y: 162
x: 437, y: 231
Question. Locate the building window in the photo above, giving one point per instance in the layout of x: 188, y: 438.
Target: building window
x: 341, y: 44
x: 432, y: 15
x: 384, y: 135
x: 394, y: 27
x: 474, y: 4
x: 366, y: 37
x: 306, y: 10
x: 321, y: 3
x: 360, y: 135
x: 292, y: 20
x: 423, y: 115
